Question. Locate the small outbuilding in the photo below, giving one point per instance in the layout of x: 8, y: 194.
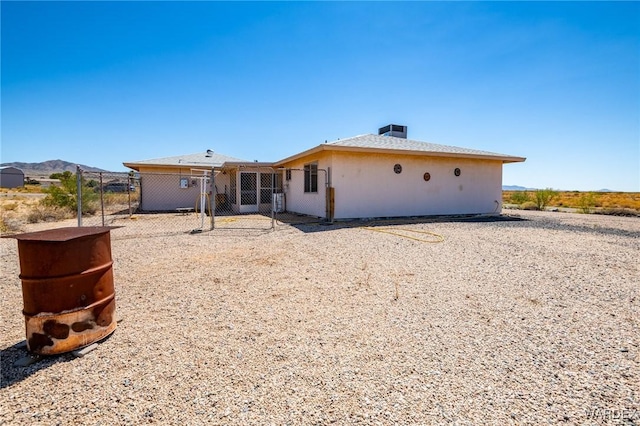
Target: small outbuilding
x: 11, y: 177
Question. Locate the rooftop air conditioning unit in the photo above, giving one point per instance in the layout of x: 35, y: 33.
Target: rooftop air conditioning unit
x: 393, y: 130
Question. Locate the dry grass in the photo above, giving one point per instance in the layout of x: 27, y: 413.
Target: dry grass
x: 41, y: 213
x: 119, y: 198
x: 575, y: 199
x: 27, y: 189
x: 21, y: 206
x: 16, y: 208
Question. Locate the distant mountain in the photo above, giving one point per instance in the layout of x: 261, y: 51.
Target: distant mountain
x: 514, y: 188
x: 46, y: 168
x: 522, y: 188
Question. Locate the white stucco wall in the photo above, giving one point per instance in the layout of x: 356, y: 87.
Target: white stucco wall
x: 367, y: 186
x: 162, y: 191
x: 296, y: 200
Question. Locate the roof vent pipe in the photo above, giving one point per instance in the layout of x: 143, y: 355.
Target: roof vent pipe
x: 394, y: 130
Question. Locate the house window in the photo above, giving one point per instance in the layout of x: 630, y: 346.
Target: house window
x: 287, y: 174
x: 311, y: 177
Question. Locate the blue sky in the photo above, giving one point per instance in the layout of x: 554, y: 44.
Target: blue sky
x: 101, y: 83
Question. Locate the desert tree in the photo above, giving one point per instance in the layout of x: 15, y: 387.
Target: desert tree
x: 66, y: 195
x: 543, y: 197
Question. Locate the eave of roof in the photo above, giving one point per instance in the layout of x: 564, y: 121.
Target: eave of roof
x: 199, y: 160
x: 247, y: 164
x: 389, y: 144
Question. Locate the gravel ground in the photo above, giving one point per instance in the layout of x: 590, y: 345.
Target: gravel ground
x: 532, y: 319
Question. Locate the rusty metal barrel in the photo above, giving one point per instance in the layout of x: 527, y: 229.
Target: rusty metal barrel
x: 67, y: 287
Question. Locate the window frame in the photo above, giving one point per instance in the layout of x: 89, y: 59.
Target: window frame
x: 311, y: 178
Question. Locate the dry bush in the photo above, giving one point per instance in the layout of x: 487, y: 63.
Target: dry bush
x: 117, y: 198
x: 592, y: 201
x: 519, y: 197
x: 619, y: 212
x: 44, y: 213
x: 10, y: 207
x: 529, y: 205
x: 587, y: 202
x: 9, y: 224
x: 4, y: 226
x: 31, y: 189
x: 624, y: 200
x: 544, y: 197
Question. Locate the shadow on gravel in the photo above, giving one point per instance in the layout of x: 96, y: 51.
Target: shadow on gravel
x: 318, y: 225
x: 552, y: 225
x: 10, y: 373
x: 504, y: 220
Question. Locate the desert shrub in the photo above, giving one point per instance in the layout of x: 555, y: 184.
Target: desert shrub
x: 543, y: 197
x: 111, y: 198
x: 33, y: 188
x: 9, y: 224
x: 10, y: 206
x: 46, y: 213
x: 619, y: 212
x: 519, y: 197
x: 629, y: 200
x: 586, y: 202
x: 529, y: 205
x: 4, y: 226
x: 65, y: 196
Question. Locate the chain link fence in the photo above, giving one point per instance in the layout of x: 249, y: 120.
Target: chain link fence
x: 106, y: 197
x: 203, y: 200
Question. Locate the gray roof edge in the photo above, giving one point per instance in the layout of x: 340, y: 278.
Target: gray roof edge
x: 248, y: 164
x: 414, y: 146
x: 196, y: 159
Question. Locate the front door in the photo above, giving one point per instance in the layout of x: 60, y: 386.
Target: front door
x: 248, y: 192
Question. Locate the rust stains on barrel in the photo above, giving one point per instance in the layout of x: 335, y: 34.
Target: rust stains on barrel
x: 67, y: 287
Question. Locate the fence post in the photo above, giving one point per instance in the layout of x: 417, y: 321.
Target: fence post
x: 273, y: 198
x: 101, y: 198
x: 331, y: 196
x: 129, y: 185
x: 215, y: 201
x: 79, y: 193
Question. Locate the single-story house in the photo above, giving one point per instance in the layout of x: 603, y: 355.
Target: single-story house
x: 11, y: 177
x: 366, y: 176
x: 236, y: 185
